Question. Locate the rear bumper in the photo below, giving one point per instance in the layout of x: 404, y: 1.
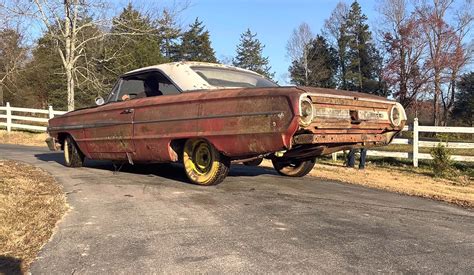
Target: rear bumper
x: 365, y: 139
x: 53, y: 145
x: 308, y: 146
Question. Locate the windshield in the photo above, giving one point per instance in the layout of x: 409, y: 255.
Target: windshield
x: 222, y: 77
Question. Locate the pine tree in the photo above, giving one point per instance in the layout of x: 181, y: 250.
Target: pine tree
x: 133, y: 51
x: 362, y: 60
x: 168, y: 34
x: 342, y: 44
x: 250, y: 55
x: 464, y: 104
x: 44, y: 70
x: 196, y: 44
x: 12, y: 58
x: 322, y: 65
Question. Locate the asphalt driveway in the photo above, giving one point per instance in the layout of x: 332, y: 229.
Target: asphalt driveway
x: 147, y: 219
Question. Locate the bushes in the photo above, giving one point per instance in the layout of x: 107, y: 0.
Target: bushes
x: 442, y: 164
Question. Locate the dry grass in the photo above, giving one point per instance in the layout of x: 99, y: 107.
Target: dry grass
x: 31, y: 203
x: 403, y: 180
x: 409, y: 148
x: 23, y: 138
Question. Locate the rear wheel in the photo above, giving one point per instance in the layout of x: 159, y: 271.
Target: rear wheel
x: 203, y: 164
x: 73, y: 157
x: 293, y: 168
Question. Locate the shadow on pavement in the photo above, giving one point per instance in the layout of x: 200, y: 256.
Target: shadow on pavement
x: 170, y: 171
x: 56, y: 157
x: 10, y: 265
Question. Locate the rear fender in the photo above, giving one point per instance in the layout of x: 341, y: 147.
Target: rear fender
x: 249, y: 125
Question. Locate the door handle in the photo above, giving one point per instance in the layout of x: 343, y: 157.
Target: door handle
x: 127, y: 111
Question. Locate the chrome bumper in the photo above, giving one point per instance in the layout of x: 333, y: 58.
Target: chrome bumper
x: 340, y: 138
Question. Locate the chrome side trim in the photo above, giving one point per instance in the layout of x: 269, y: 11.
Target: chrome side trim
x: 106, y: 124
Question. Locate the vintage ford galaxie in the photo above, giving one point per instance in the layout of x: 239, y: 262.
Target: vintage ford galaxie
x: 207, y: 115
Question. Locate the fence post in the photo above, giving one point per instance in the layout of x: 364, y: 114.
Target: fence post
x: 415, y: 142
x: 9, y: 117
x: 50, y: 112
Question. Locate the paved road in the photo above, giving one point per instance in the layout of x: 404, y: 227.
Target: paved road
x: 147, y: 219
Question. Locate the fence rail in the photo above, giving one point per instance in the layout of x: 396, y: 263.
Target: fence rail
x: 10, y: 119
x: 417, y: 143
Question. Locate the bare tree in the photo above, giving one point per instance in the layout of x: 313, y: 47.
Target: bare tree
x: 298, y: 47
x: 333, y: 25
x: 435, y: 30
x: 459, y: 56
x: 446, y: 54
x: 335, y: 32
x: 65, y: 21
x: 404, y: 69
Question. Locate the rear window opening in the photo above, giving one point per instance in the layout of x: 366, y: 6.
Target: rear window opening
x: 230, y: 78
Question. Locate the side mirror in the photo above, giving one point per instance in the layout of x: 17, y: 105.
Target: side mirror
x: 99, y: 101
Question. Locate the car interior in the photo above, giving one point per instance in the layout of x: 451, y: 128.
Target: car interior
x: 145, y: 85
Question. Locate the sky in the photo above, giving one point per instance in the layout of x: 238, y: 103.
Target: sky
x: 272, y: 20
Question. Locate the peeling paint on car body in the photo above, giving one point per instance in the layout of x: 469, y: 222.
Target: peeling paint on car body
x: 241, y: 123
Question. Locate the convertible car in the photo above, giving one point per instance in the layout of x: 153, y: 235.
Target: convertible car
x: 208, y: 115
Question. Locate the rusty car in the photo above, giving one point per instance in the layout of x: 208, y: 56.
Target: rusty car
x: 206, y: 116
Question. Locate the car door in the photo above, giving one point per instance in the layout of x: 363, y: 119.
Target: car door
x: 161, y: 117
x: 110, y: 131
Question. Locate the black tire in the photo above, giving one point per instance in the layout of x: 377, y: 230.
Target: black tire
x: 203, y: 164
x: 254, y: 162
x: 73, y: 157
x: 293, y: 168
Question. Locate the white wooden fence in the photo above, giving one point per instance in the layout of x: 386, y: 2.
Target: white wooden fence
x: 417, y: 143
x: 10, y: 118
x: 10, y: 114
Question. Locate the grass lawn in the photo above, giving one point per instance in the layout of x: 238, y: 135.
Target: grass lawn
x: 391, y: 175
x: 31, y: 203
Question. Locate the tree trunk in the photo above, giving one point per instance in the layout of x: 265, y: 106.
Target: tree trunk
x: 403, y: 93
x: 306, y: 66
x: 70, y: 90
x: 359, y: 69
x: 449, y: 104
x: 437, y: 92
x: 69, y: 53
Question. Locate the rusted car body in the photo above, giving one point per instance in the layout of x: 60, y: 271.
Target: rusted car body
x: 285, y: 124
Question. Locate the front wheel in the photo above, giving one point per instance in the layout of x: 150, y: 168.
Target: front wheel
x: 73, y: 157
x: 293, y: 168
x: 203, y: 164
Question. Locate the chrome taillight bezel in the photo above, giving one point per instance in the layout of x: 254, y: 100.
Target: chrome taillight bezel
x: 397, y: 115
x: 306, y: 118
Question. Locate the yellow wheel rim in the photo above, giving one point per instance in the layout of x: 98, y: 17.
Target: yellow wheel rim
x: 202, y: 158
x: 200, y: 161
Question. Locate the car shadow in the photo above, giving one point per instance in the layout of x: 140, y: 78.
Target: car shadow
x: 10, y: 265
x: 172, y: 171
x: 54, y: 157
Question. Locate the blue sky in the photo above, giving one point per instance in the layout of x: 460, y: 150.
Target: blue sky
x: 272, y: 20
